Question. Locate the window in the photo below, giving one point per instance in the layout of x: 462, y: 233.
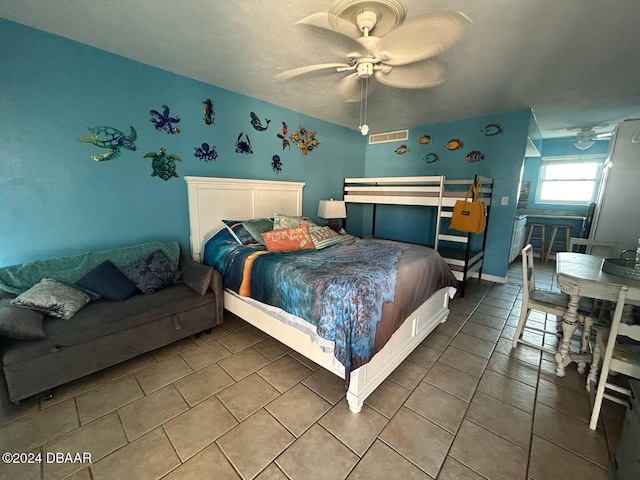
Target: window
x: 572, y: 180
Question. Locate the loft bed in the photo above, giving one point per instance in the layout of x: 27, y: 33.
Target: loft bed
x: 463, y: 252
x: 213, y: 199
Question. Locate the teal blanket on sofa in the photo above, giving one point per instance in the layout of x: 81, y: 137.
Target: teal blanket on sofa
x: 20, y: 278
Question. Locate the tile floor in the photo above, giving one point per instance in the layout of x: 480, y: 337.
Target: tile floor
x: 234, y: 404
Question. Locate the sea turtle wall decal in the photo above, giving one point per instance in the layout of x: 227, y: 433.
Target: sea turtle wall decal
x: 163, y: 164
x: 110, y: 138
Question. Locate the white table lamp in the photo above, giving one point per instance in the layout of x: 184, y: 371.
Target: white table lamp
x: 331, y: 210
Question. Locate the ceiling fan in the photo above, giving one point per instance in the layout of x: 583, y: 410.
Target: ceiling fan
x: 380, y: 45
x: 586, y: 137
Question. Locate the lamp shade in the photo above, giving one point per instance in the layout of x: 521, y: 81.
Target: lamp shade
x: 332, y: 209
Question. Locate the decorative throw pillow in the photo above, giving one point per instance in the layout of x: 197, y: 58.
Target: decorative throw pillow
x: 195, y: 275
x: 20, y: 323
x: 54, y: 298
x: 152, y: 273
x: 324, y: 237
x: 257, y: 227
x: 108, y: 282
x: 281, y: 220
x: 288, y: 239
x: 239, y: 232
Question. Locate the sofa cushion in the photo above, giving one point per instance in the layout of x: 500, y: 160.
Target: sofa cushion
x: 54, y: 298
x: 102, y: 318
x: 20, y: 323
x: 152, y: 273
x: 108, y: 282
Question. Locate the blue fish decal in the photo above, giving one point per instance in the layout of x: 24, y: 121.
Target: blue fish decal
x: 492, y: 129
x: 257, y: 124
x: 474, y: 156
x: 431, y: 157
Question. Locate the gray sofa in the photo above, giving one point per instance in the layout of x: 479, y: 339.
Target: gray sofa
x: 104, y: 333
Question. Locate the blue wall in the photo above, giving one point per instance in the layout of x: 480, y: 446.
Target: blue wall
x: 55, y: 200
x: 503, y: 153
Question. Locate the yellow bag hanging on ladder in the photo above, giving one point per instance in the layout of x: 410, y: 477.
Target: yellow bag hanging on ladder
x: 470, y: 214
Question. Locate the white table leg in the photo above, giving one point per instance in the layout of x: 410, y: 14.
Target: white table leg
x: 593, y: 371
x: 569, y: 326
x: 587, y: 322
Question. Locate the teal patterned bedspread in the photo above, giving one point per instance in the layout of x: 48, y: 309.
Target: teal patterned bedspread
x: 339, y: 289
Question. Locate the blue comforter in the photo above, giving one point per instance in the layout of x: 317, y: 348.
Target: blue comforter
x: 340, y: 289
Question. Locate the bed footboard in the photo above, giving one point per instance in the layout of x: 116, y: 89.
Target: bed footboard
x: 365, y: 379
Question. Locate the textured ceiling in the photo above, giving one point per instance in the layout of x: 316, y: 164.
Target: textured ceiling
x: 573, y: 62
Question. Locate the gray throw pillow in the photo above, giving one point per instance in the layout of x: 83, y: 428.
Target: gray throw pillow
x: 152, y: 273
x: 53, y: 298
x: 195, y: 275
x: 20, y: 323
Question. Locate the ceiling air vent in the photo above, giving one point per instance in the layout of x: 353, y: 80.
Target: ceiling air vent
x: 397, y: 136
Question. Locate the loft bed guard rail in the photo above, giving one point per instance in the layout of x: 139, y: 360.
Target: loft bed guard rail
x: 459, y: 249
x: 420, y: 191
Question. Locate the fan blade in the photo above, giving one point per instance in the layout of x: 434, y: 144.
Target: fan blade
x: 288, y: 74
x: 333, y: 23
x: 422, y: 38
x: 350, y: 88
x: 417, y: 75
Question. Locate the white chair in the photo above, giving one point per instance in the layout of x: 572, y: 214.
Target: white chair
x: 619, y: 356
x: 600, y: 246
x: 546, y: 301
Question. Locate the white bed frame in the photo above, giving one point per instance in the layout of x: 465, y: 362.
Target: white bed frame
x: 214, y: 199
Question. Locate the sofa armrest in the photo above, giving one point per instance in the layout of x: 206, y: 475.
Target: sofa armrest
x: 217, y: 288
x: 195, y: 275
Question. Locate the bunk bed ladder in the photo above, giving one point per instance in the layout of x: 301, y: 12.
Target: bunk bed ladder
x: 462, y: 259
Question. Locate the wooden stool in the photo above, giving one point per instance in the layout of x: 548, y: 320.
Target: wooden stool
x: 566, y: 229
x: 542, y: 237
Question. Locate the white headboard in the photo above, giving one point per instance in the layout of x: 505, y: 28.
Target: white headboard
x: 213, y: 199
